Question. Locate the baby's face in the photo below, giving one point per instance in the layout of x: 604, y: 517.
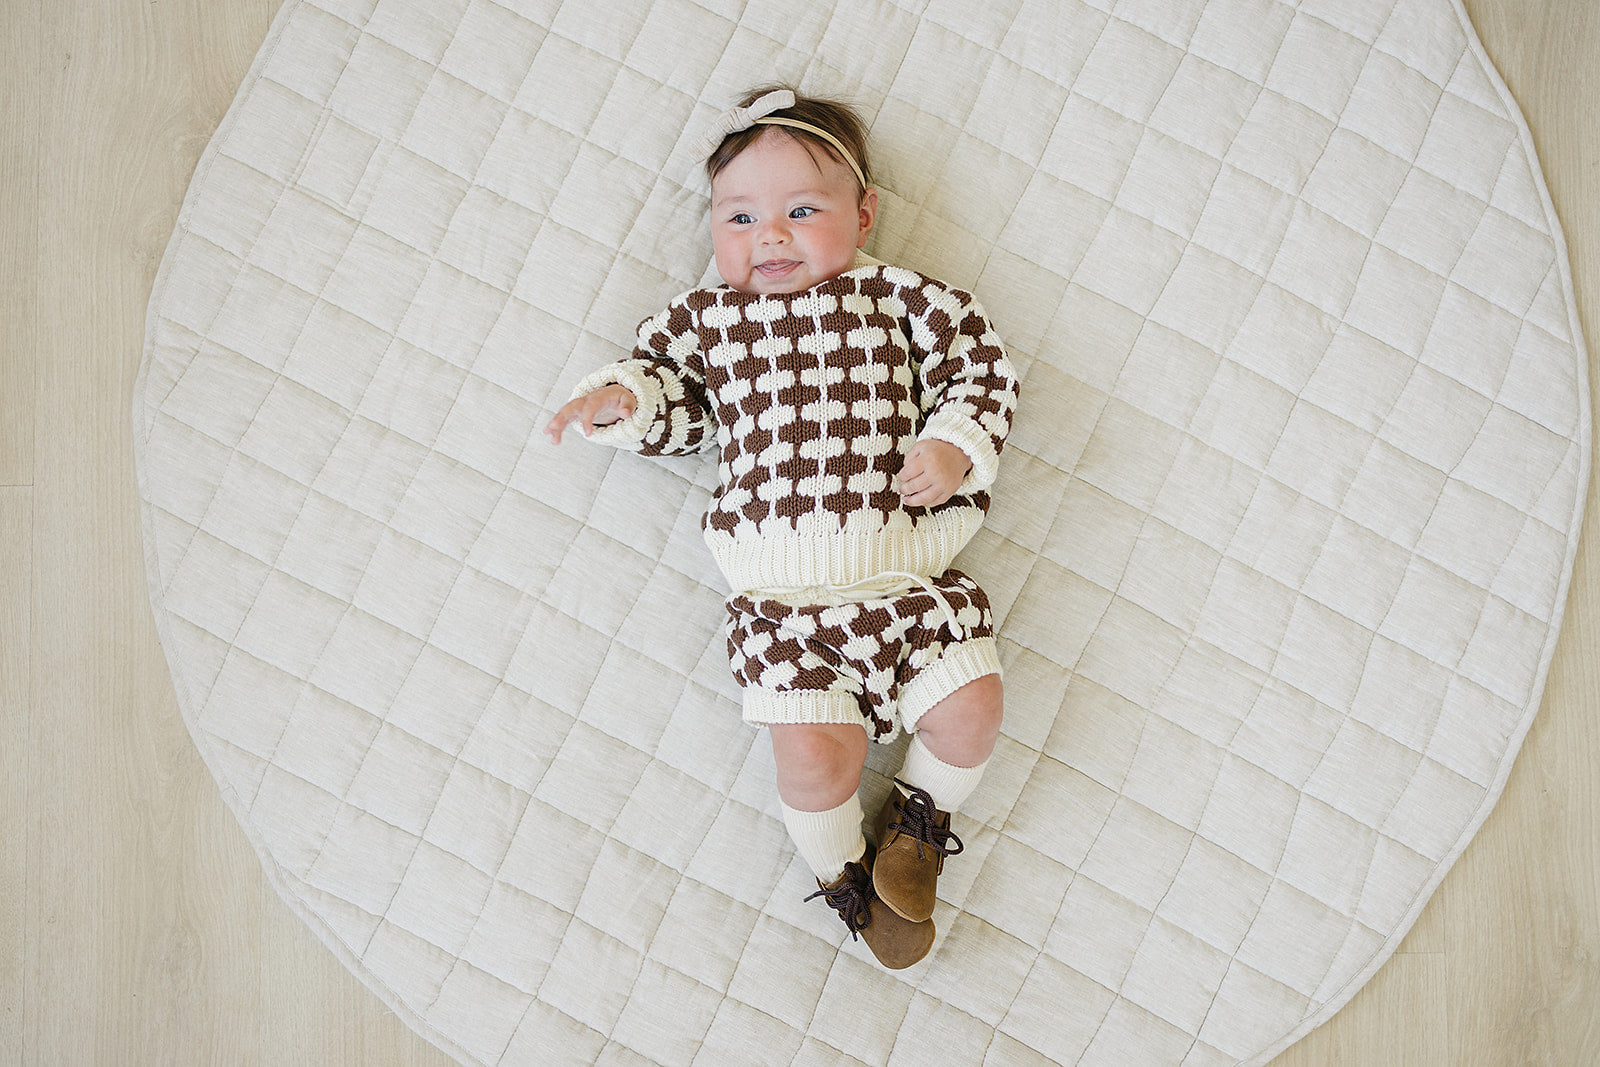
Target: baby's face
x: 784, y: 219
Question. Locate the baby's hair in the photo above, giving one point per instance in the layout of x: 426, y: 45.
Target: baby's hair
x: 834, y: 116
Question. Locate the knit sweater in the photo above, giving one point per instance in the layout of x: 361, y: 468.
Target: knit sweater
x: 812, y: 399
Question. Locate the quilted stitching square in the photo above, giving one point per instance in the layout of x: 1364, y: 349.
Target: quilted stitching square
x: 416, y: 906
x: 1053, y: 39
x: 314, y: 49
x: 1474, y: 142
x: 1089, y: 147
x: 281, y: 254
x: 519, y: 962
x: 1006, y: 88
x: 1211, y: 692
x: 1360, y: 206
x: 1131, y: 256
x: 574, y: 983
x: 385, y: 656
x: 285, y: 123
x: 1208, y: 323
x: 1001, y: 902
x: 1135, y: 856
x: 1319, y: 261
x: 1152, y: 189
x: 1002, y: 957
x: 1229, y: 443
x: 1205, y: 106
x: 1316, y: 65
x: 1172, y: 771
x: 668, y: 1015
x: 1251, y: 52
x: 1173, y: 976
x: 1323, y: 933
x: 489, y: 48
x: 559, y: 878
x: 384, y: 115
x: 481, y: 1007
x: 1035, y: 1016
x: 1192, y: 905
x: 1391, y: 105
x: 1050, y: 247
x: 1359, y: 379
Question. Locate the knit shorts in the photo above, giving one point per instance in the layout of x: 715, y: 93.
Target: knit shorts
x: 880, y: 663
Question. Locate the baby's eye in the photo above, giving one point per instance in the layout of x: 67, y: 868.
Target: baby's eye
x: 802, y: 212
x: 741, y: 219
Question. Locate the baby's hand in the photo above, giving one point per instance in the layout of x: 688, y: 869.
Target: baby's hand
x: 932, y: 473
x: 608, y: 404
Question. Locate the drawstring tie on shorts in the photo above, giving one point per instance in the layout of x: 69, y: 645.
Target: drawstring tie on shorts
x: 879, y: 586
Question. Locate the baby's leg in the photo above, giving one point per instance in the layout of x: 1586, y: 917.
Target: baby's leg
x: 818, y: 724
x: 944, y: 762
x: 819, y: 772
x: 952, y: 704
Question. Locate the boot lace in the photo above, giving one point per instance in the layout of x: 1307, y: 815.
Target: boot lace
x: 851, y: 897
x: 919, y: 820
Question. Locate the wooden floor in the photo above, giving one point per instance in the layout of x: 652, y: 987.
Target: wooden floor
x: 135, y: 923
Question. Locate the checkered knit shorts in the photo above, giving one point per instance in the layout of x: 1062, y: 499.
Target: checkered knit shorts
x: 880, y: 663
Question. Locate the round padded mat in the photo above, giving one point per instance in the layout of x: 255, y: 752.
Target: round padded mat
x: 1278, y: 553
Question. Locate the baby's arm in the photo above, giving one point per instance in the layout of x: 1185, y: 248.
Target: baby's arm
x: 604, y: 406
x: 654, y: 401
x: 969, y: 387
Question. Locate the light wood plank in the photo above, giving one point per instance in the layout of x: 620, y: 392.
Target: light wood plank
x: 16, y: 726
x: 104, y: 954
x: 21, y: 55
x: 1398, y: 1019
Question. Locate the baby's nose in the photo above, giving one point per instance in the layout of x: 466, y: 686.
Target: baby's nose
x: 775, y: 231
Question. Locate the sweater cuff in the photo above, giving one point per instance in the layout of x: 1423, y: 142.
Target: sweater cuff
x: 626, y: 433
x: 972, y: 440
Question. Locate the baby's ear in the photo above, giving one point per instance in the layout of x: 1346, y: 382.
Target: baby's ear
x: 868, y: 215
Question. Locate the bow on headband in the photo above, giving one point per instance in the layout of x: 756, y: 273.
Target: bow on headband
x: 760, y: 112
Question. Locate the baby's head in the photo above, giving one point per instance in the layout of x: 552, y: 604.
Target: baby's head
x: 789, y: 206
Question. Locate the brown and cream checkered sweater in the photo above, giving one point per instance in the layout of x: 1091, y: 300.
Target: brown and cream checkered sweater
x: 812, y: 399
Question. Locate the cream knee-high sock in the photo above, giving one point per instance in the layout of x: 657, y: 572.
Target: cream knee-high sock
x: 949, y: 786
x: 827, y: 840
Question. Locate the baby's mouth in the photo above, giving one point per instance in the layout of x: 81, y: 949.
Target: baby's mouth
x: 775, y: 268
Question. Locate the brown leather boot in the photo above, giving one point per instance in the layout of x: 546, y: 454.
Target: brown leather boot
x: 913, y: 839
x: 896, y: 942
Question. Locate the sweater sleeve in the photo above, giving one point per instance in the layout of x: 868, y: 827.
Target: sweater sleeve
x: 969, y: 389
x: 666, y: 373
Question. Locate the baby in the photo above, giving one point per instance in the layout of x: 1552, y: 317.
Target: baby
x: 858, y: 411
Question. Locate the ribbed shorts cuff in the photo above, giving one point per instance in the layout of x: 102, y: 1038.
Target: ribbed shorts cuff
x: 764, y: 707
x: 960, y: 664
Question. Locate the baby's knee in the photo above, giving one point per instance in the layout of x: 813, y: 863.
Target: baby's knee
x: 819, y: 754
x: 989, y: 696
x: 981, y: 704
x: 971, y: 714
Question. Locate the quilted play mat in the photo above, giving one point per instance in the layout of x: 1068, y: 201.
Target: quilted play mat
x: 1278, y: 553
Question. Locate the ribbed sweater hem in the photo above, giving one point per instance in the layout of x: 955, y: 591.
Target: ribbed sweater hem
x: 786, y: 560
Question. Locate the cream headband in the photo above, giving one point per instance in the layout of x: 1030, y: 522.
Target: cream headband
x: 737, y: 119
